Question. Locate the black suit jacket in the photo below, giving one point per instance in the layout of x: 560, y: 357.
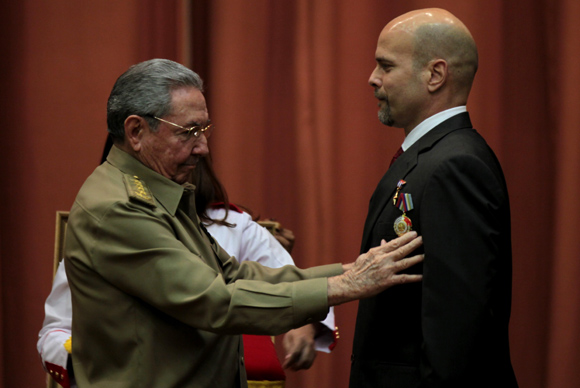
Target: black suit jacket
x: 450, y: 330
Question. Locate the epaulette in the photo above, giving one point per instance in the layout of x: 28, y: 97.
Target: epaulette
x: 137, y: 190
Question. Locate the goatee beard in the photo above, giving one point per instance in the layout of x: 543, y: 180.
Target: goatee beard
x: 385, y: 114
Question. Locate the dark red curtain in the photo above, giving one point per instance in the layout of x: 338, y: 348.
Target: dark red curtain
x: 297, y: 139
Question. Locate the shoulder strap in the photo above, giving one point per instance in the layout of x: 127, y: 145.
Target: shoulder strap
x: 138, y: 191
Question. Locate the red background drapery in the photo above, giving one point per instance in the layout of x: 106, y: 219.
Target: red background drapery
x: 297, y: 139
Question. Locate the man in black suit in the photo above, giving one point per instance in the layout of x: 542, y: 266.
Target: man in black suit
x: 451, y: 330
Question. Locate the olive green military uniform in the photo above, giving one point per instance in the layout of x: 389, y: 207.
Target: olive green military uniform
x: 156, y: 302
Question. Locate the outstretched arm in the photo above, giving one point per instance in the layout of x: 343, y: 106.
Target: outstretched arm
x: 376, y: 270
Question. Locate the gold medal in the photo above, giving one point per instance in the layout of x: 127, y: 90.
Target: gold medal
x: 402, y: 225
x: 404, y: 201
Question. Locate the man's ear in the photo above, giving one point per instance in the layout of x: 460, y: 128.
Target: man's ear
x: 437, y: 74
x: 134, y: 131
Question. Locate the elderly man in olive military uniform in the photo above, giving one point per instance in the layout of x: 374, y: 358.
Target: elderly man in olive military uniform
x: 156, y: 302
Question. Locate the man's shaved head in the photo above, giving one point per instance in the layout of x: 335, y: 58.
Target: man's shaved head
x: 438, y: 34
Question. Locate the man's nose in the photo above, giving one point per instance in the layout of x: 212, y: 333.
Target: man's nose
x: 375, y: 80
x: 200, y: 148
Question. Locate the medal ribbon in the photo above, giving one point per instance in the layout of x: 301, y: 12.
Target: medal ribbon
x: 405, y: 202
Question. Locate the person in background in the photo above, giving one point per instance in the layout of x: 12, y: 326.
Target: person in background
x: 246, y: 240
x: 240, y: 236
x: 446, y: 184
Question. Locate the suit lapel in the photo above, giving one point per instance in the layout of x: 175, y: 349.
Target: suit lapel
x: 402, y: 167
x: 385, y: 191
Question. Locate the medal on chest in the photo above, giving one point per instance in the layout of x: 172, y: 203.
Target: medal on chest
x: 404, y: 202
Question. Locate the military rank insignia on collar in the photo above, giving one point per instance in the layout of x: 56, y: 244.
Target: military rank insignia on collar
x: 137, y: 190
x: 404, y: 202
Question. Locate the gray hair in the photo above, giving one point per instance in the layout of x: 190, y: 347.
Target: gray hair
x: 145, y: 90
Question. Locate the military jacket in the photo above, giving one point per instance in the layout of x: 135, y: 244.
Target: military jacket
x: 156, y: 301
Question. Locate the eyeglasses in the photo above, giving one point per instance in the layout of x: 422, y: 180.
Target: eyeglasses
x: 196, y: 130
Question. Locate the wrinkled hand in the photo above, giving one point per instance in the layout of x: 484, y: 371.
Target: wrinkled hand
x: 376, y: 270
x: 285, y: 237
x: 299, y: 348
